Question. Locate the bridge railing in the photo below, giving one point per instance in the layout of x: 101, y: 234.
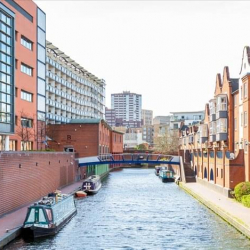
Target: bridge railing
x: 135, y: 157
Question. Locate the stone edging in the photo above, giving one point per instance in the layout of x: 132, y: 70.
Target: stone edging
x: 232, y: 220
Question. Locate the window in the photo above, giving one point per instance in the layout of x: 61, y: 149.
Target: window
x: 13, y: 144
x: 235, y: 124
x: 26, y: 43
x: 26, y: 122
x: 235, y: 100
x: 221, y: 173
x: 245, y: 90
x: 241, y: 122
x: 245, y: 118
x: 26, y: 69
x: 26, y: 145
x: 241, y: 93
x: 26, y: 96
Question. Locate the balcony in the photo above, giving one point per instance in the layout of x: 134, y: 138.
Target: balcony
x: 212, y: 110
x: 221, y: 129
x: 203, y: 133
x: 221, y: 107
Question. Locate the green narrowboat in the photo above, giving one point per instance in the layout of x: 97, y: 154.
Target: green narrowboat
x: 166, y: 175
x: 48, y: 216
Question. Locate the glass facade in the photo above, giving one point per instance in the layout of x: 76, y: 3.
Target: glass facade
x: 41, y: 64
x: 7, y: 67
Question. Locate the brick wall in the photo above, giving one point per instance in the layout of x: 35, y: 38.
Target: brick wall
x: 27, y: 176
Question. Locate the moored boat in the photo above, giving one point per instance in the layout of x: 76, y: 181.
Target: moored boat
x: 166, y: 175
x: 49, y: 215
x: 157, y: 170
x: 80, y: 194
x: 92, y: 184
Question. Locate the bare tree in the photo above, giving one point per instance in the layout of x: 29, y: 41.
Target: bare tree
x: 26, y: 128
x: 167, y: 143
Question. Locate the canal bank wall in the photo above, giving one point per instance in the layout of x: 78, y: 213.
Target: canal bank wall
x: 228, y: 209
x: 11, y: 223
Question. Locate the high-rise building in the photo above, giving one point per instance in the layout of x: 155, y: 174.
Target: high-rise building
x: 147, y: 116
x: 128, y: 108
x: 22, y: 74
x: 72, y: 92
x: 110, y: 117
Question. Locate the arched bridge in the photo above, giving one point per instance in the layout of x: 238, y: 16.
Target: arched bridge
x: 127, y: 158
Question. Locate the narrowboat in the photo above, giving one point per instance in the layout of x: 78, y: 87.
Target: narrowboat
x: 166, y: 175
x: 49, y: 215
x: 157, y: 170
x: 92, y: 184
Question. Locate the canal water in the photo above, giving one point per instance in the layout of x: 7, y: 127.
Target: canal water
x: 135, y: 210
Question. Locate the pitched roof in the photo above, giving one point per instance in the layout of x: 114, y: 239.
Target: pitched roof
x: 235, y: 84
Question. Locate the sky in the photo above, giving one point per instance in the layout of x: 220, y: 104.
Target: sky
x: 167, y: 51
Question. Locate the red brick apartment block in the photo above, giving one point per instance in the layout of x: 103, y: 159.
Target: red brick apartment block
x: 219, y: 146
x: 24, y: 37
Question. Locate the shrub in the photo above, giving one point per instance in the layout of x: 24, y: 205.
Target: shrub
x: 245, y: 200
x: 241, y: 189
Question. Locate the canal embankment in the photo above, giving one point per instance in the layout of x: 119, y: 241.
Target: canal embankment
x: 11, y: 223
x: 228, y: 209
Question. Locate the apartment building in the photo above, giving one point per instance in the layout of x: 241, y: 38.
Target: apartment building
x: 219, y: 148
x: 22, y: 74
x: 148, y: 134
x: 110, y: 117
x: 71, y: 91
x: 161, y: 120
x: 147, y: 116
x: 128, y: 109
x: 189, y: 118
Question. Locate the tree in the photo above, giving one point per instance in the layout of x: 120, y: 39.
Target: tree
x: 142, y: 146
x: 168, y: 142
x: 26, y: 129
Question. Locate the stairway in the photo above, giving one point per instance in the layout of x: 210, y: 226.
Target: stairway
x: 189, y: 173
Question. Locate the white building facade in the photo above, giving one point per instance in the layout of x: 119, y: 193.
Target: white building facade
x: 128, y: 108
x: 71, y: 91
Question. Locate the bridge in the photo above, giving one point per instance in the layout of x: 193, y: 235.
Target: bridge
x: 130, y: 158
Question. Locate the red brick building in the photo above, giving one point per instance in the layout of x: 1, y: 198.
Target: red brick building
x: 22, y: 74
x: 86, y: 137
x: 219, y: 148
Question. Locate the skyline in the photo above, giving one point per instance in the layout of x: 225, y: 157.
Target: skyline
x: 164, y: 45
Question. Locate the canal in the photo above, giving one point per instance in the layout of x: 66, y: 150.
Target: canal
x: 135, y: 210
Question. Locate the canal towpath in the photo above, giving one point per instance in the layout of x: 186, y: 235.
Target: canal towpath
x: 228, y: 209
x: 10, y: 224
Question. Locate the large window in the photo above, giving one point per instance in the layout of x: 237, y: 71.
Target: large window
x: 26, y: 69
x: 26, y: 43
x: 25, y: 122
x: 26, y: 145
x: 26, y: 96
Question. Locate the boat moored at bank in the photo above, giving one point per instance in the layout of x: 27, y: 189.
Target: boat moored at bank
x: 92, y: 184
x: 49, y: 215
x: 166, y: 175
